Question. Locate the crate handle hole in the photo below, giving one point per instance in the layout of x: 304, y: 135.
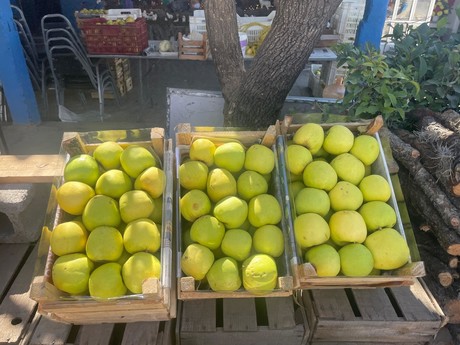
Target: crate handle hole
x: 394, y: 302
x: 353, y: 304
x: 16, y: 321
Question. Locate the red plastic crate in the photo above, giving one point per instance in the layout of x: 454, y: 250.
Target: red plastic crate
x: 102, y: 38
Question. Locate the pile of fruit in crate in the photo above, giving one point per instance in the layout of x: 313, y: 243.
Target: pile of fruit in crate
x: 109, y: 241
x: 343, y: 223
x: 231, y: 234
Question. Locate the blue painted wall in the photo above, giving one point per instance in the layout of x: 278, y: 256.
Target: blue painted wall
x: 371, y: 26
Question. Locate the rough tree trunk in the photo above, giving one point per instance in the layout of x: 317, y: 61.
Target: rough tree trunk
x: 254, y: 98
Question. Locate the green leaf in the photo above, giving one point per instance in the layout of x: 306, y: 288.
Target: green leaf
x: 442, y: 22
x: 422, y: 69
x: 393, y: 100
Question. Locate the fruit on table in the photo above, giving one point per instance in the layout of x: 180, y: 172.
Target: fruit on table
x: 359, y: 206
x: 129, y: 187
x: 224, y: 275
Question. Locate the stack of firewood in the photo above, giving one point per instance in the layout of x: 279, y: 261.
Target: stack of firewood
x: 429, y: 173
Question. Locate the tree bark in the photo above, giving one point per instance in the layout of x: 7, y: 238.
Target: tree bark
x: 450, y: 119
x: 419, y: 203
x: 425, y: 182
x: 254, y: 98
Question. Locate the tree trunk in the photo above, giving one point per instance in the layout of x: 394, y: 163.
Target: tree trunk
x: 254, y: 98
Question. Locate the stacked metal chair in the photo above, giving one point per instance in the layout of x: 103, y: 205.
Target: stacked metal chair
x: 61, y: 41
x: 36, y: 61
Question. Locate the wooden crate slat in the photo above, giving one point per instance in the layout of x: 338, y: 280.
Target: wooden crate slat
x: 239, y: 314
x: 50, y: 332
x: 17, y: 308
x: 415, y: 303
x: 140, y: 333
x: 333, y: 304
x: 199, y: 315
x: 30, y: 168
x: 95, y: 334
x: 374, y: 304
x: 10, y: 257
x: 280, y: 313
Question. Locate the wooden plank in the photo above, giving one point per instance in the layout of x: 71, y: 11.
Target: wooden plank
x: 140, y: 333
x: 10, y: 258
x: 198, y: 315
x: 332, y: 304
x: 50, y: 332
x: 30, y: 168
x: 280, y: 313
x: 95, y: 334
x: 17, y: 308
x: 239, y: 315
x: 374, y: 304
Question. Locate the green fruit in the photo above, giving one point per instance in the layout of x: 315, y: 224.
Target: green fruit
x: 310, y: 229
x: 366, y: 149
x: 389, y: 249
x: 230, y: 156
x: 203, y: 150
x: 310, y: 135
x: 68, y: 237
x: 347, y: 227
x: 232, y: 211
x: 338, y: 139
x: 224, y: 275
x: 260, y: 274
x: 82, y: 168
x: 105, y: 243
x: 375, y: 188
x: 71, y: 273
x: 152, y: 180
x: 193, y: 175
x: 142, y: 235
x: 220, y: 184
x: 135, y: 159
x: 377, y: 215
x: 113, y: 183
x: 269, y: 239
x: 237, y: 243
x: 138, y: 268
x: 194, y: 204
x: 135, y: 204
x: 325, y: 259
x: 208, y: 231
x: 320, y: 175
x: 297, y: 158
x: 106, y: 281
x: 101, y: 210
x: 345, y: 196
x: 312, y: 200
x: 264, y: 209
x: 348, y: 168
x: 108, y: 155
x: 196, y: 261
x: 259, y: 158
x: 356, y: 260
x: 250, y: 184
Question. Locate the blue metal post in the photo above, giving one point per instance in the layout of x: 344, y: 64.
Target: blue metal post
x: 14, y: 74
x: 370, y: 28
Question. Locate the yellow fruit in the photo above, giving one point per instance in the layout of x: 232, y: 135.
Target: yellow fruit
x: 375, y: 188
x: 260, y: 274
x: 237, y: 244
x: 203, y: 150
x: 71, y: 273
x: 294, y: 188
x: 389, y: 249
x: 259, y: 158
x: 82, y: 168
x: 356, y: 260
x: 108, y: 155
x: 196, y: 261
x: 231, y: 211
x: 142, y: 235
x: 224, y: 275
x: 366, y: 149
x: 193, y: 175
x: 347, y: 227
x: 104, y: 243
x: 157, y: 214
x: 208, y: 231
x: 135, y: 204
x: 220, y: 184
x: 264, y: 209
x: 138, y: 268
x: 345, y: 196
x: 68, y: 237
x: 230, y: 156
x: 106, y: 281
x: 312, y: 200
x: 338, y: 139
x: 73, y: 196
x: 152, y: 180
x: 319, y: 174
x: 348, y: 168
x: 251, y: 183
x: 113, y: 183
x: 101, y: 210
x: 310, y: 229
x: 377, y: 215
x: 135, y: 159
x: 297, y: 158
x: 325, y: 259
x: 310, y: 135
x: 269, y: 239
x: 194, y: 204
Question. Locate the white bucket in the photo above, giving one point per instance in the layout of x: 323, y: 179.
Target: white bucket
x: 243, y: 41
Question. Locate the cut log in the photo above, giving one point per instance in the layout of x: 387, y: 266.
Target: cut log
x: 437, y: 269
x: 424, y: 180
x: 435, y: 163
x: 435, y: 250
x: 450, y: 119
x: 419, y: 203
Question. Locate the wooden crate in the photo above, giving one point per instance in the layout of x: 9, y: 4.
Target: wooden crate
x: 192, y: 49
x: 269, y: 321
x: 188, y: 288
x: 304, y: 272
x: 158, y: 299
x: 404, y: 315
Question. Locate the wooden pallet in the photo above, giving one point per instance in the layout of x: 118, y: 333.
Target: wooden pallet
x: 404, y: 315
x: 268, y: 321
x: 21, y: 323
